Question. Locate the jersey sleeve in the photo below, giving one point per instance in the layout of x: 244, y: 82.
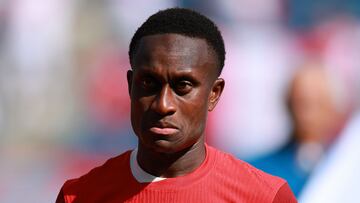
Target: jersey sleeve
x: 67, y: 192
x: 284, y: 195
x: 60, y: 197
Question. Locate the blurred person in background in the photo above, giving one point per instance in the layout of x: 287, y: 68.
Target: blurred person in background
x: 335, y: 178
x: 319, y: 109
x: 176, y: 57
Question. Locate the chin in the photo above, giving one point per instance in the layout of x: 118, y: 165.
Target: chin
x: 164, y: 146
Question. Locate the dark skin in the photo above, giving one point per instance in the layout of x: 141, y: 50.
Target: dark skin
x: 173, y: 85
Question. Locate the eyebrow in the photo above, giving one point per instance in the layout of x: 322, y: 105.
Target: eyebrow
x: 179, y: 75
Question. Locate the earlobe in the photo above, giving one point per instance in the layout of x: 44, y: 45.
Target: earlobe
x: 215, y: 94
x: 129, y: 76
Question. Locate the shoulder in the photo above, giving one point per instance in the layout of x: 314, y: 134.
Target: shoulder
x: 246, y: 177
x: 229, y: 163
x: 113, y: 169
x: 110, y: 168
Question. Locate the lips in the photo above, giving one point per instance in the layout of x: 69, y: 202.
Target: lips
x: 163, y: 129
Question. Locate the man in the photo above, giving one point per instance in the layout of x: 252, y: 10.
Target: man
x: 176, y: 56
x: 318, y: 113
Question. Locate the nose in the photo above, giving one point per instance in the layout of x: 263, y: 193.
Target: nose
x: 164, y: 103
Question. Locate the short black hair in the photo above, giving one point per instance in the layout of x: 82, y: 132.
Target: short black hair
x: 185, y: 22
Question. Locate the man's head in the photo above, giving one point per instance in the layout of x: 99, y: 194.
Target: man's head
x: 317, y: 103
x: 174, y: 80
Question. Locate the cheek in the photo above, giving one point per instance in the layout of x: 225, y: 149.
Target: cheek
x: 141, y: 104
x: 135, y: 118
x: 138, y: 108
x: 195, y: 113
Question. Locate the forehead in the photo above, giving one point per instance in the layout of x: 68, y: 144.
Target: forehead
x: 174, y: 50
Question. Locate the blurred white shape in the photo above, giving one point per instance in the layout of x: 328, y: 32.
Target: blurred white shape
x: 254, y: 10
x: 130, y: 14
x: 337, y: 178
x: 38, y: 43
x: 38, y: 32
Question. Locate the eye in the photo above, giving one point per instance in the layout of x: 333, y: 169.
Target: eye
x: 149, y: 83
x: 183, y: 87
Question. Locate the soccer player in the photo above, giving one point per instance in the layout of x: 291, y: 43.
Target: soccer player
x: 176, y: 59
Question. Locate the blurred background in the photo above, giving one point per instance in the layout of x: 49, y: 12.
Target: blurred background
x: 292, y: 75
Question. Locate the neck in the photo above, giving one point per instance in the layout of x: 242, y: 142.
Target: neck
x: 171, y: 165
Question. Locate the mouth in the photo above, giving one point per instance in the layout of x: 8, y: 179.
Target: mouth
x: 164, y: 129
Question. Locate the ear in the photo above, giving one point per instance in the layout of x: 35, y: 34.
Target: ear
x: 129, y: 76
x: 215, y: 93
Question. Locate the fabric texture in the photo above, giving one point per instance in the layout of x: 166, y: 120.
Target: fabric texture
x: 220, y: 178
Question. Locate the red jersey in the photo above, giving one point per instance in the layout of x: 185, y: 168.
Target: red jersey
x: 220, y: 178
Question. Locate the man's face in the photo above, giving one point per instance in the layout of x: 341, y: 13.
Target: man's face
x: 315, y: 113
x: 172, y: 87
